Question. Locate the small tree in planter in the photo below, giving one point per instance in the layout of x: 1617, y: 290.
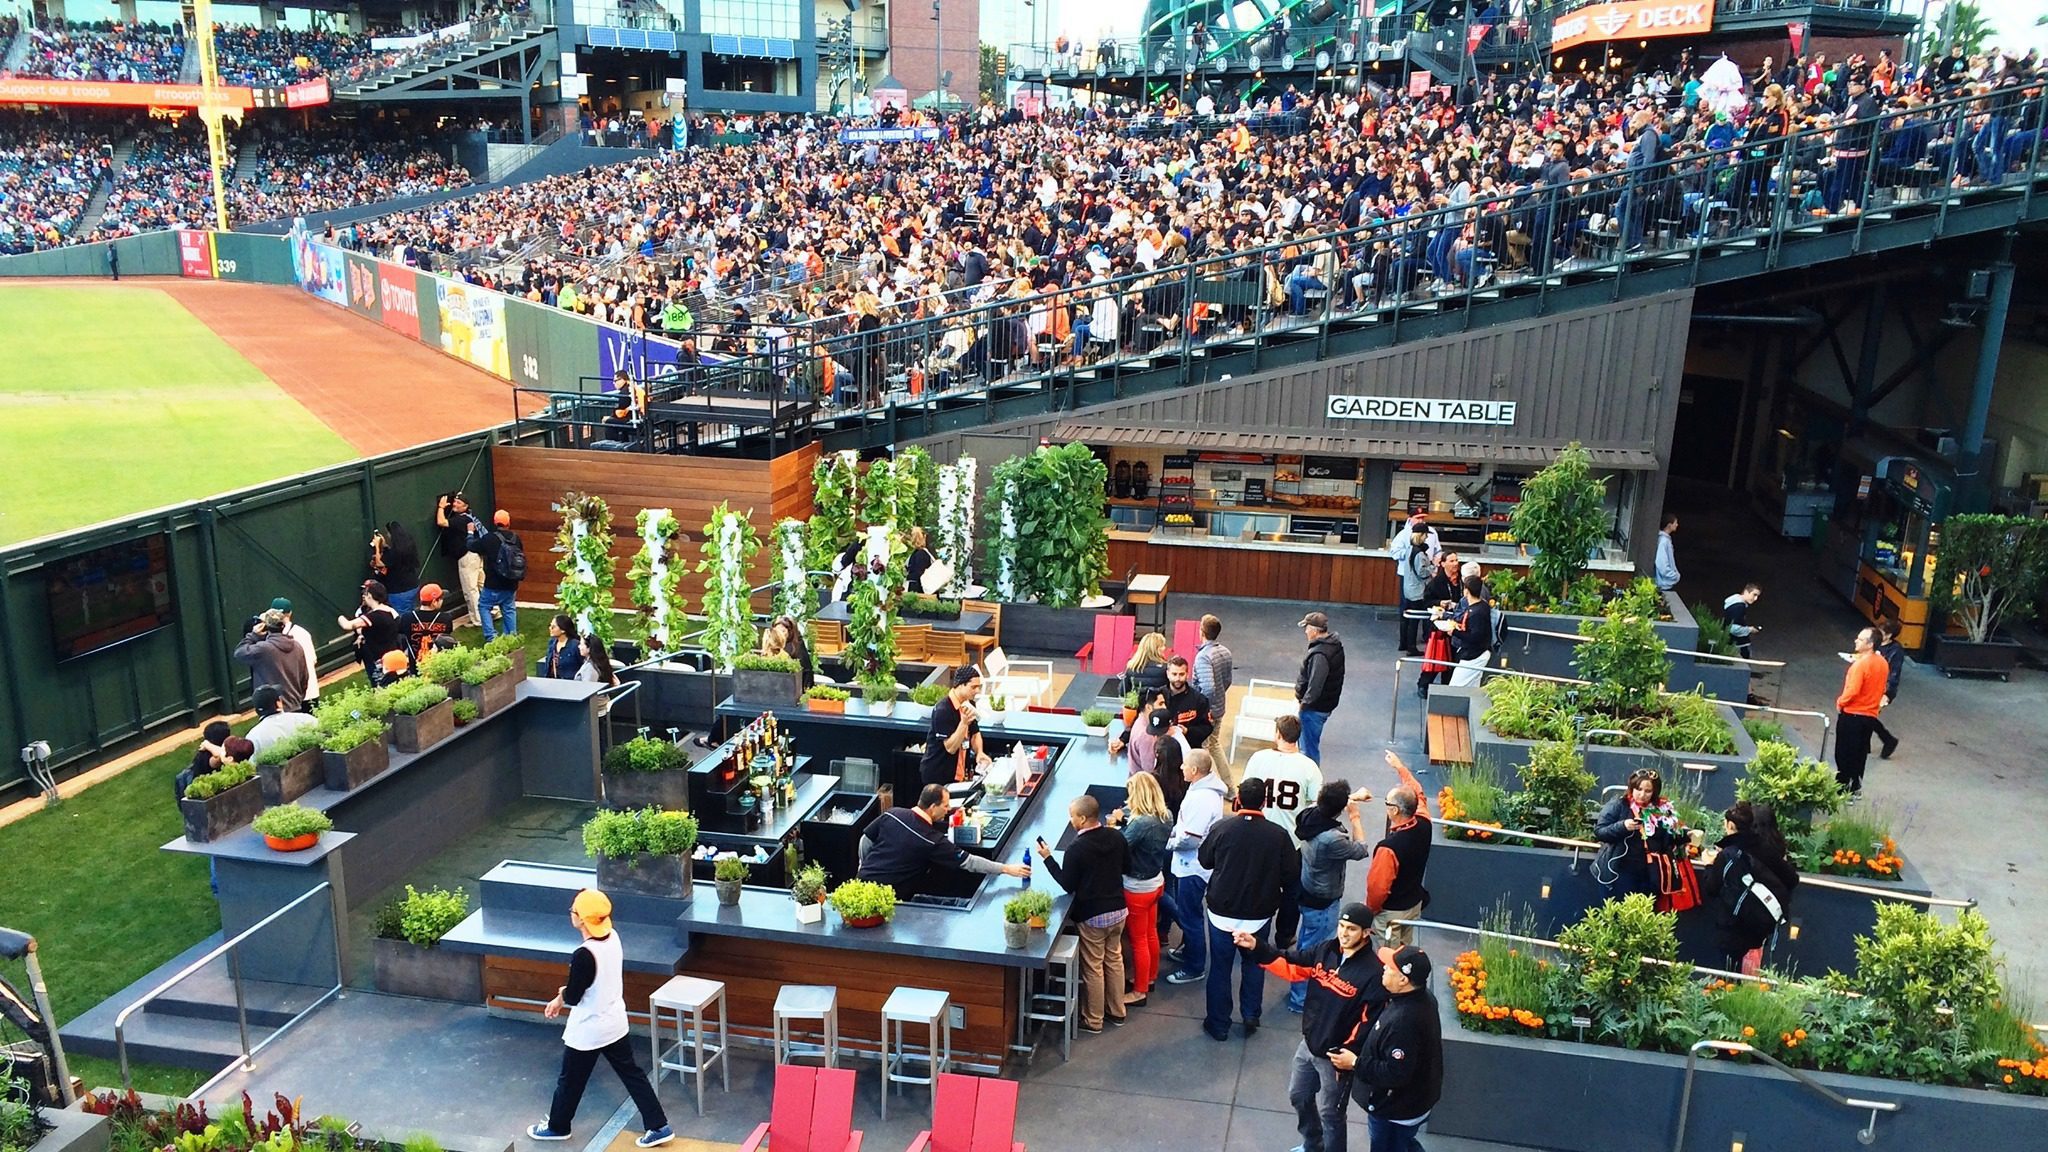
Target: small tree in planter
x: 656, y: 573
x: 864, y: 903
x: 421, y: 715
x: 1799, y: 790
x: 807, y: 890
x: 220, y: 801
x: 646, y: 772
x: 1623, y: 656
x: 408, y: 963
x: 729, y: 875
x: 1562, y: 517
x: 766, y: 681
x: 588, y: 570
x: 354, y: 752
x: 729, y: 549
x: 644, y: 851
x: 489, y: 684
x: 291, y: 828
x: 290, y: 767
x: 1989, y: 572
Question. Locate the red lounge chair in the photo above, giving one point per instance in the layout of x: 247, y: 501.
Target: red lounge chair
x: 972, y: 1114
x: 1187, y: 636
x: 1112, y: 644
x: 813, y: 1112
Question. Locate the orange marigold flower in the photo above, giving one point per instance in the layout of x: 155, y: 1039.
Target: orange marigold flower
x: 1747, y: 1032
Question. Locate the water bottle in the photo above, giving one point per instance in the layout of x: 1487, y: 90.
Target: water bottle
x: 1027, y: 864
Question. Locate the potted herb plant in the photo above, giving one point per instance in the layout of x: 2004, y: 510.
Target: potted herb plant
x: 1989, y: 572
x: 930, y: 608
x: 825, y: 698
x: 926, y: 696
x: 881, y: 697
x: 644, y: 851
x: 445, y: 666
x: 291, y: 767
x: 1130, y: 709
x: 1096, y: 721
x: 992, y: 716
x: 729, y: 875
x: 1037, y: 906
x: 354, y: 752
x: 220, y: 801
x: 464, y: 711
x: 1016, y: 922
x: 766, y: 681
x: 808, y: 891
x: 421, y: 715
x: 512, y: 646
x: 408, y: 961
x: 647, y: 772
x: 864, y: 903
x: 1799, y: 789
x: 291, y: 828
x: 489, y: 683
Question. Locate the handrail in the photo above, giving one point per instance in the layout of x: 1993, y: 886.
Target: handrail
x: 1561, y: 841
x: 1540, y: 941
x: 1578, y: 639
x: 1866, y: 1135
x: 231, y: 948
x: 1816, y: 880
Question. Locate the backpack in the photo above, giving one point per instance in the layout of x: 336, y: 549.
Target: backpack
x: 1755, y: 907
x: 508, y: 560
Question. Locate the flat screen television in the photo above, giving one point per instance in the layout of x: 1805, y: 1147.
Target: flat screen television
x: 109, y: 595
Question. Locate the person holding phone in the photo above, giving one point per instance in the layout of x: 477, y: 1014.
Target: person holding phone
x: 1396, y: 1058
x: 1342, y: 975
x: 1094, y: 873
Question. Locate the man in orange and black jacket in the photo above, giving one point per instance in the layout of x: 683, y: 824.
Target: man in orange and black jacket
x: 1343, y: 976
x: 1393, y: 883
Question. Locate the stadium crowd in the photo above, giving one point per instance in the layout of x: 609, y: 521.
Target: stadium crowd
x: 296, y: 174
x: 278, y: 57
x: 131, y: 53
x: 49, y: 167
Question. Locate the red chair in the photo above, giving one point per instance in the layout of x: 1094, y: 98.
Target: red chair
x: 1113, y: 643
x: 813, y: 1112
x: 971, y: 1114
x: 1187, y: 636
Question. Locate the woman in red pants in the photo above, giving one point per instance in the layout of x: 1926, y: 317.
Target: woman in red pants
x: 1145, y: 822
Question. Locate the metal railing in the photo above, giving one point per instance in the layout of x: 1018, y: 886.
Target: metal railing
x: 1865, y: 1135
x: 231, y: 948
x: 480, y: 31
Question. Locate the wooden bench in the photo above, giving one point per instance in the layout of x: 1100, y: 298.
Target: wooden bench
x: 1450, y: 739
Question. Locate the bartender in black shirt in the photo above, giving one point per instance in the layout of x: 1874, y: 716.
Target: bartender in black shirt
x: 904, y: 843
x: 954, y: 732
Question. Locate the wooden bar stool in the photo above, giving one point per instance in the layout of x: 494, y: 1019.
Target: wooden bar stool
x: 915, y: 1006
x: 688, y: 994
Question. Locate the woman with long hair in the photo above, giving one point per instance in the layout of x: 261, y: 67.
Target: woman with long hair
x: 1750, y: 882
x: 1145, y: 823
x: 597, y: 662
x: 1146, y: 670
x: 793, y: 646
x: 377, y: 630
x: 395, y: 563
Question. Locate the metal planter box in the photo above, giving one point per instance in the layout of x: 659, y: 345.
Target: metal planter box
x: 74, y: 1131
x: 1036, y: 628
x: 761, y: 689
x: 405, y: 969
x: 286, y: 782
x: 1552, y: 655
x: 1714, y: 776
x: 346, y: 770
x: 669, y: 791
x: 492, y: 694
x: 1468, y: 878
x: 419, y: 732
x: 642, y: 874
x: 1993, y: 657
x: 1572, y: 1097
x: 214, y: 817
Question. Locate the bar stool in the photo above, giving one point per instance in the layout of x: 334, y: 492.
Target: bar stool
x: 930, y: 1008
x: 689, y: 994
x: 818, y: 1002
x: 1062, y: 990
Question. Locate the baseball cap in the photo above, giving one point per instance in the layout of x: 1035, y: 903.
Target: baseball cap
x: 1357, y: 915
x: 395, y: 662
x: 1314, y: 620
x: 502, y: 518
x: 594, y: 908
x: 265, y: 699
x: 430, y: 593
x: 281, y: 604
x: 1409, y: 961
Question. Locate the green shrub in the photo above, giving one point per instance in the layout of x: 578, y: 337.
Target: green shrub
x: 360, y: 702
x: 755, y: 662
x: 1474, y: 793
x: 465, y: 711
x: 211, y: 784
x: 644, y: 754
x: 422, y: 918
x: 352, y: 735
x: 287, y: 821
x: 1038, y: 901
x: 927, y: 694
x: 290, y: 744
x: 1989, y: 571
x: 485, y: 668
x: 1622, y: 654
x: 1925, y: 973
x: 1797, y: 788
x: 862, y: 899
x: 1015, y: 911
x: 414, y: 696
x: 827, y: 692
x: 1528, y: 710
x: 1714, y: 634
x: 1760, y: 729
x: 729, y: 868
x: 649, y: 830
x: 1766, y: 1016
x: 1095, y: 718
x: 505, y: 644
x: 930, y: 608
x: 1555, y: 788
x: 881, y: 692
x: 1685, y: 722
x: 445, y: 664
x: 808, y: 884
x: 1605, y: 953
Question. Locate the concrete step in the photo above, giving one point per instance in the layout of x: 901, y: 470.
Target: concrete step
x: 550, y: 937
x: 178, y: 1041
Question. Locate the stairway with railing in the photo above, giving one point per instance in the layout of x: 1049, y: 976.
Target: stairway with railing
x: 447, y: 46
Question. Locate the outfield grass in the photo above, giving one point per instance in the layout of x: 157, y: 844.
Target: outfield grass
x: 117, y: 400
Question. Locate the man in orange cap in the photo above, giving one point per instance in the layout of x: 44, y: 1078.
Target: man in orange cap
x: 429, y: 620
x: 595, y: 998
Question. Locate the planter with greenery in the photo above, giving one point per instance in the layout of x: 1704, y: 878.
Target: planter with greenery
x: 1096, y: 721
x: 729, y: 875
x: 826, y: 698
x: 1130, y: 709
x: 1924, y: 1019
x: 1989, y: 573
x: 354, y: 752
x: 445, y: 666
x: 926, y: 696
x: 1049, y: 542
x: 291, y: 828
x: 512, y: 646
x: 647, y: 772
x: 730, y: 545
x: 1037, y: 904
x: 1016, y: 922
x: 807, y: 892
x: 930, y: 608
x: 864, y: 903
x: 464, y: 711
x: 583, y: 545
x: 766, y: 681
x: 881, y: 698
x: 489, y: 683
x: 421, y: 715
x: 291, y: 767
x: 645, y: 851
x: 407, y: 961
x: 219, y: 802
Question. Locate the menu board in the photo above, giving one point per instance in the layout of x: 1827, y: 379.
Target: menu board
x: 1255, y: 491
x: 1329, y: 467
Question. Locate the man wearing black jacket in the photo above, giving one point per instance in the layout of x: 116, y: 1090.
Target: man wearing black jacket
x: 1343, y: 980
x: 1187, y: 705
x: 1397, y: 1060
x: 1320, y: 683
x: 1094, y: 874
x: 1251, y: 861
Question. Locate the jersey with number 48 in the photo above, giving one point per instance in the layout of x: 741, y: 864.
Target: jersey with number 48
x: 1292, y: 781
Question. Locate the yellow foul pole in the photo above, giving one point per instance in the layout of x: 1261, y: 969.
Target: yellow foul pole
x: 211, y: 108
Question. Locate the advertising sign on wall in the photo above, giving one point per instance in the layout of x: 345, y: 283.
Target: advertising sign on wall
x: 319, y: 270
x: 362, y: 285
x: 473, y: 327
x: 639, y: 354
x: 398, y: 301
x: 1631, y: 20
x: 195, y: 254
x: 37, y: 90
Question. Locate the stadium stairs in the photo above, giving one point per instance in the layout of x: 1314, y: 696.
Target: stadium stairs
x: 188, y: 70
x: 124, y: 151
x: 17, y: 51
x: 467, y: 53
